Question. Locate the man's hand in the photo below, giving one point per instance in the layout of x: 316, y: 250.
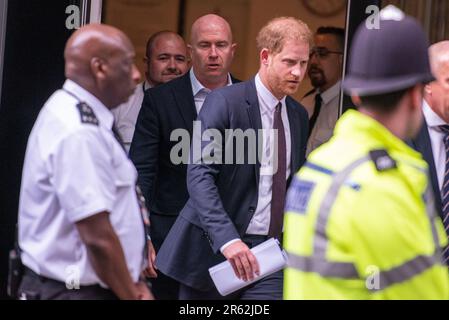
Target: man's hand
x: 242, y: 260
x: 150, y: 270
x: 143, y: 293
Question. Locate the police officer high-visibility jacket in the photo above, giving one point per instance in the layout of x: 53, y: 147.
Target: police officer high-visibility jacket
x: 360, y: 220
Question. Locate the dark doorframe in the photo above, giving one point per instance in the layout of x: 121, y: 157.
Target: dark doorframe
x: 356, y: 14
x: 33, y: 67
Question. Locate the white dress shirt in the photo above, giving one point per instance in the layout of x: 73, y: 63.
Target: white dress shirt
x: 199, y: 91
x: 260, y: 222
x: 74, y: 170
x: 436, y: 140
x: 325, y: 123
x: 126, y: 114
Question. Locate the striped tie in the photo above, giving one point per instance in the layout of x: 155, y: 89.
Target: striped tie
x: 445, y: 188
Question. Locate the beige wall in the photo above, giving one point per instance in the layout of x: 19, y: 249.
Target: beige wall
x: 140, y: 18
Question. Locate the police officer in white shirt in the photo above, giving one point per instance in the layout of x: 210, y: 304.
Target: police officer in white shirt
x: 165, y: 60
x: 81, y: 230
x: 325, y: 71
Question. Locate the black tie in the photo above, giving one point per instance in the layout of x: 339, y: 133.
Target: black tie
x: 279, y: 185
x: 316, y: 112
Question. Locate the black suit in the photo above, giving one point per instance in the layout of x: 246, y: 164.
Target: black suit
x: 165, y: 108
x: 423, y: 145
x: 223, y: 198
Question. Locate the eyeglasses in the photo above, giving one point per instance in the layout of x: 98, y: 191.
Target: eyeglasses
x: 322, y: 52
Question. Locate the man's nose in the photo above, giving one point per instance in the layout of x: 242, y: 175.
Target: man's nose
x: 172, y: 64
x: 296, y: 71
x: 213, y: 52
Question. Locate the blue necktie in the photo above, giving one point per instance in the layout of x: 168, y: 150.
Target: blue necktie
x: 445, y: 188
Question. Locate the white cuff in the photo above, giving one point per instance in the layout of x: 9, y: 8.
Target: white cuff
x: 228, y: 244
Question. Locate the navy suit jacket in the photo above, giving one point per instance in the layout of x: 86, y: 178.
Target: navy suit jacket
x: 165, y: 108
x: 223, y: 197
x: 423, y: 145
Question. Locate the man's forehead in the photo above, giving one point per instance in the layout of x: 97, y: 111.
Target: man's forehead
x: 169, y: 46
x: 290, y: 46
x: 213, y: 31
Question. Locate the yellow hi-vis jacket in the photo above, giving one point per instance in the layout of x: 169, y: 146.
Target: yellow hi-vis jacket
x: 360, y: 220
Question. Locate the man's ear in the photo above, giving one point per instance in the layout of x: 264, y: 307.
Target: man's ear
x: 98, y: 68
x: 428, y: 89
x: 190, y: 50
x: 356, y: 100
x: 233, y: 48
x: 264, y: 56
x: 416, y: 95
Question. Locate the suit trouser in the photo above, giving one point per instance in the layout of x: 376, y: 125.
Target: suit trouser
x: 162, y: 287
x: 36, y: 287
x: 268, y: 288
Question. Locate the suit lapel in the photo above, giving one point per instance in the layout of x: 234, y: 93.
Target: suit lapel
x: 423, y: 145
x: 184, y: 101
x: 295, y: 135
x: 255, y: 119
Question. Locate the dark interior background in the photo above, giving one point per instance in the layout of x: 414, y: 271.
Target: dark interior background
x: 33, y: 68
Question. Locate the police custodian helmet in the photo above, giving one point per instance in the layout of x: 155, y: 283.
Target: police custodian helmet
x: 390, y: 58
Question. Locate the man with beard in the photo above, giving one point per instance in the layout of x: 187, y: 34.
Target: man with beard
x: 170, y: 107
x: 326, y: 62
x: 236, y: 205
x: 165, y: 60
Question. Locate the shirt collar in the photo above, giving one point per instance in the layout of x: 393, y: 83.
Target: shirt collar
x: 103, y: 114
x: 197, y: 86
x: 146, y: 85
x: 432, y: 119
x: 266, y: 96
x: 331, y: 93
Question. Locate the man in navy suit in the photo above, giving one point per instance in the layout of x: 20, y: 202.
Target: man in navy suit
x: 433, y: 139
x: 173, y: 106
x: 236, y: 203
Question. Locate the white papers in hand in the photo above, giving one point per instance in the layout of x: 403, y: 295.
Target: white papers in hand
x: 269, y: 255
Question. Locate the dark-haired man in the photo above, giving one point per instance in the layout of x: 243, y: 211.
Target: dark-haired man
x: 165, y: 59
x: 325, y: 68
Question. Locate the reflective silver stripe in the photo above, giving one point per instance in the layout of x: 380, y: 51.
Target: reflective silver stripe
x: 344, y: 270
x: 407, y: 270
x: 322, y: 267
x: 317, y: 262
x: 320, y: 239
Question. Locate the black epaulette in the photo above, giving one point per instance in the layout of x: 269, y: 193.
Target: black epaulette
x: 382, y: 160
x: 87, y: 114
